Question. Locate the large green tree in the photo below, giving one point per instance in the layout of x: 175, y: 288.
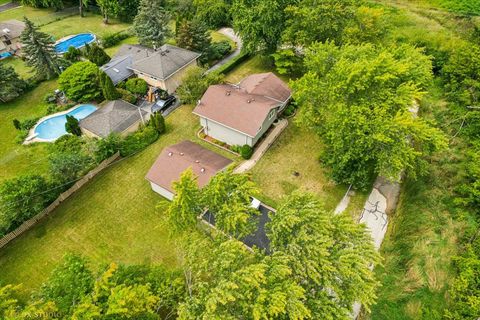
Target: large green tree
x: 39, y: 51
x: 187, y: 203
x: 232, y: 283
x: 359, y: 98
x: 194, y: 35
x: 215, y: 13
x: 11, y: 85
x: 195, y: 83
x: 228, y: 197
x: 108, y: 89
x: 109, y: 8
x: 151, y: 25
x: 331, y: 256
x: 259, y: 23
x: 80, y: 82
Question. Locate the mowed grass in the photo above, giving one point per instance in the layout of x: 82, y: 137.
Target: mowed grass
x: 16, y: 159
x: 256, y: 64
x: 19, y: 65
x: 113, y: 218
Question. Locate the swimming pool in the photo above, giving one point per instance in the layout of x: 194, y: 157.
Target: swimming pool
x: 53, y: 127
x: 77, y: 41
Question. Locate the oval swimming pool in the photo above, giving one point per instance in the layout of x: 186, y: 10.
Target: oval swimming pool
x: 77, y: 41
x: 54, y: 127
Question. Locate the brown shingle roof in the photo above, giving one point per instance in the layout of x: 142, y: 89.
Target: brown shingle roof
x: 177, y: 158
x: 11, y: 29
x: 245, y: 106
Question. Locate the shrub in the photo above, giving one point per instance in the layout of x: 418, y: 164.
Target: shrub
x: 96, y: 54
x: 80, y: 82
x: 66, y: 167
x: 157, y: 121
x: 16, y: 124
x: 26, y: 124
x: 219, y: 49
x: 137, y: 86
x: 108, y: 89
x: 67, y: 143
x: 113, y: 39
x: 246, y: 151
x: 195, y: 83
x: 127, y: 96
x: 73, y: 54
x: 226, y: 68
x: 72, y: 126
x: 21, y: 198
x: 138, y: 140
x: 49, y: 98
x: 107, y: 147
x: 236, y: 148
x: 289, y: 110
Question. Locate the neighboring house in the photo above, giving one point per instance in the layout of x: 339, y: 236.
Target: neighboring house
x: 10, y: 32
x: 163, y: 68
x: 240, y: 114
x: 116, y: 116
x: 179, y: 157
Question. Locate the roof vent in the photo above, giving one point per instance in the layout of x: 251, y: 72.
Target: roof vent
x: 6, y: 30
x: 170, y: 154
x: 248, y: 101
x: 202, y: 170
x: 197, y: 161
x: 181, y: 153
x: 116, y: 70
x: 228, y: 93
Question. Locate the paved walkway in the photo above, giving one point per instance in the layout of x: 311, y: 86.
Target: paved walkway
x: 8, y: 6
x: 232, y: 35
x: 262, y: 147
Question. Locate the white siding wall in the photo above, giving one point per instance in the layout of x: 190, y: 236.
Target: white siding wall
x: 227, y: 135
x: 162, y: 191
x: 265, y: 126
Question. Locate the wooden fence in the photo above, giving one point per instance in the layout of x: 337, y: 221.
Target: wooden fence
x: 65, y: 195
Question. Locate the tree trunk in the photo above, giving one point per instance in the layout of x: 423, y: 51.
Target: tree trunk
x: 105, y: 18
x: 80, y: 8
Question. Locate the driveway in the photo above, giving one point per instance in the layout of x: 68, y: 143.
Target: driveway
x: 8, y: 6
x: 233, y: 36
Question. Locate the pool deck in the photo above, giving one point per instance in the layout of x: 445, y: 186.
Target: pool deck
x: 32, y: 136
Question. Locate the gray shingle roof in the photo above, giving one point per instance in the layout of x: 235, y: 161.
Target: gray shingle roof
x: 11, y: 29
x: 164, y: 62
x: 118, y: 69
x: 114, y: 117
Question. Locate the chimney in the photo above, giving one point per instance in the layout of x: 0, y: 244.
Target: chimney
x: 170, y: 154
x: 181, y: 153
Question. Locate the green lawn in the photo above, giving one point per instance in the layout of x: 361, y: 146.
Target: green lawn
x: 15, y: 158
x: 256, y: 64
x: 4, y: 1
x: 19, y: 65
x: 217, y: 37
x: 113, y: 218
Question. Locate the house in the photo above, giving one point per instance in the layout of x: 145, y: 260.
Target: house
x: 163, y: 67
x: 10, y: 32
x: 240, y: 114
x: 177, y: 158
x: 116, y: 116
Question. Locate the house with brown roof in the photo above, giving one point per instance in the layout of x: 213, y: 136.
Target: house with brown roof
x: 177, y: 158
x: 240, y: 114
x: 163, y: 67
x: 10, y: 32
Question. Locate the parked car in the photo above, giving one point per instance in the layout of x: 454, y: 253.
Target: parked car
x: 163, y: 104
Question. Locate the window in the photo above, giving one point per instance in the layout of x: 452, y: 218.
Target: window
x: 271, y: 114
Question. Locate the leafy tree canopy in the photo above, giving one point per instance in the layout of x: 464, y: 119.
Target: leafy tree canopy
x: 80, y: 82
x: 151, y: 25
x: 195, y: 83
x: 358, y: 98
x: 11, y: 85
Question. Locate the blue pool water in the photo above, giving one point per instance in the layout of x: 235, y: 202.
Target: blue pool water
x: 5, y: 55
x: 76, y: 41
x: 54, y: 127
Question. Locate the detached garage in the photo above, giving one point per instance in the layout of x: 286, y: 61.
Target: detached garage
x: 177, y: 158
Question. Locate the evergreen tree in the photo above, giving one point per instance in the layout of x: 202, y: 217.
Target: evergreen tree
x: 151, y: 24
x: 11, y: 85
x: 157, y: 121
x: 108, y: 89
x: 39, y: 51
x: 186, y: 205
x: 96, y: 54
x: 72, y: 126
x: 194, y: 35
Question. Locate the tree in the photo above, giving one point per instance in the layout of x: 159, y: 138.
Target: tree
x: 462, y: 75
x: 81, y: 4
x: 358, y: 98
x: 157, y: 121
x: 21, y: 198
x: 194, y: 35
x: 228, y: 196
x: 72, y: 126
x: 370, y: 25
x: 259, y: 23
x: 215, y: 13
x: 232, y: 283
x: 186, y: 205
x: 127, y: 10
x: 73, y: 54
x: 109, y: 8
x: 108, y: 89
x: 68, y: 283
x: 38, y: 49
x: 137, y: 86
x: 151, y: 25
x: 80, y: 82
x: 195, y: 83
x: 11, y: 85
x: 331, y: 256
x: 309, y: 21
x: 66, y: 167
x: 96, y: 54
x: 288, y: 61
